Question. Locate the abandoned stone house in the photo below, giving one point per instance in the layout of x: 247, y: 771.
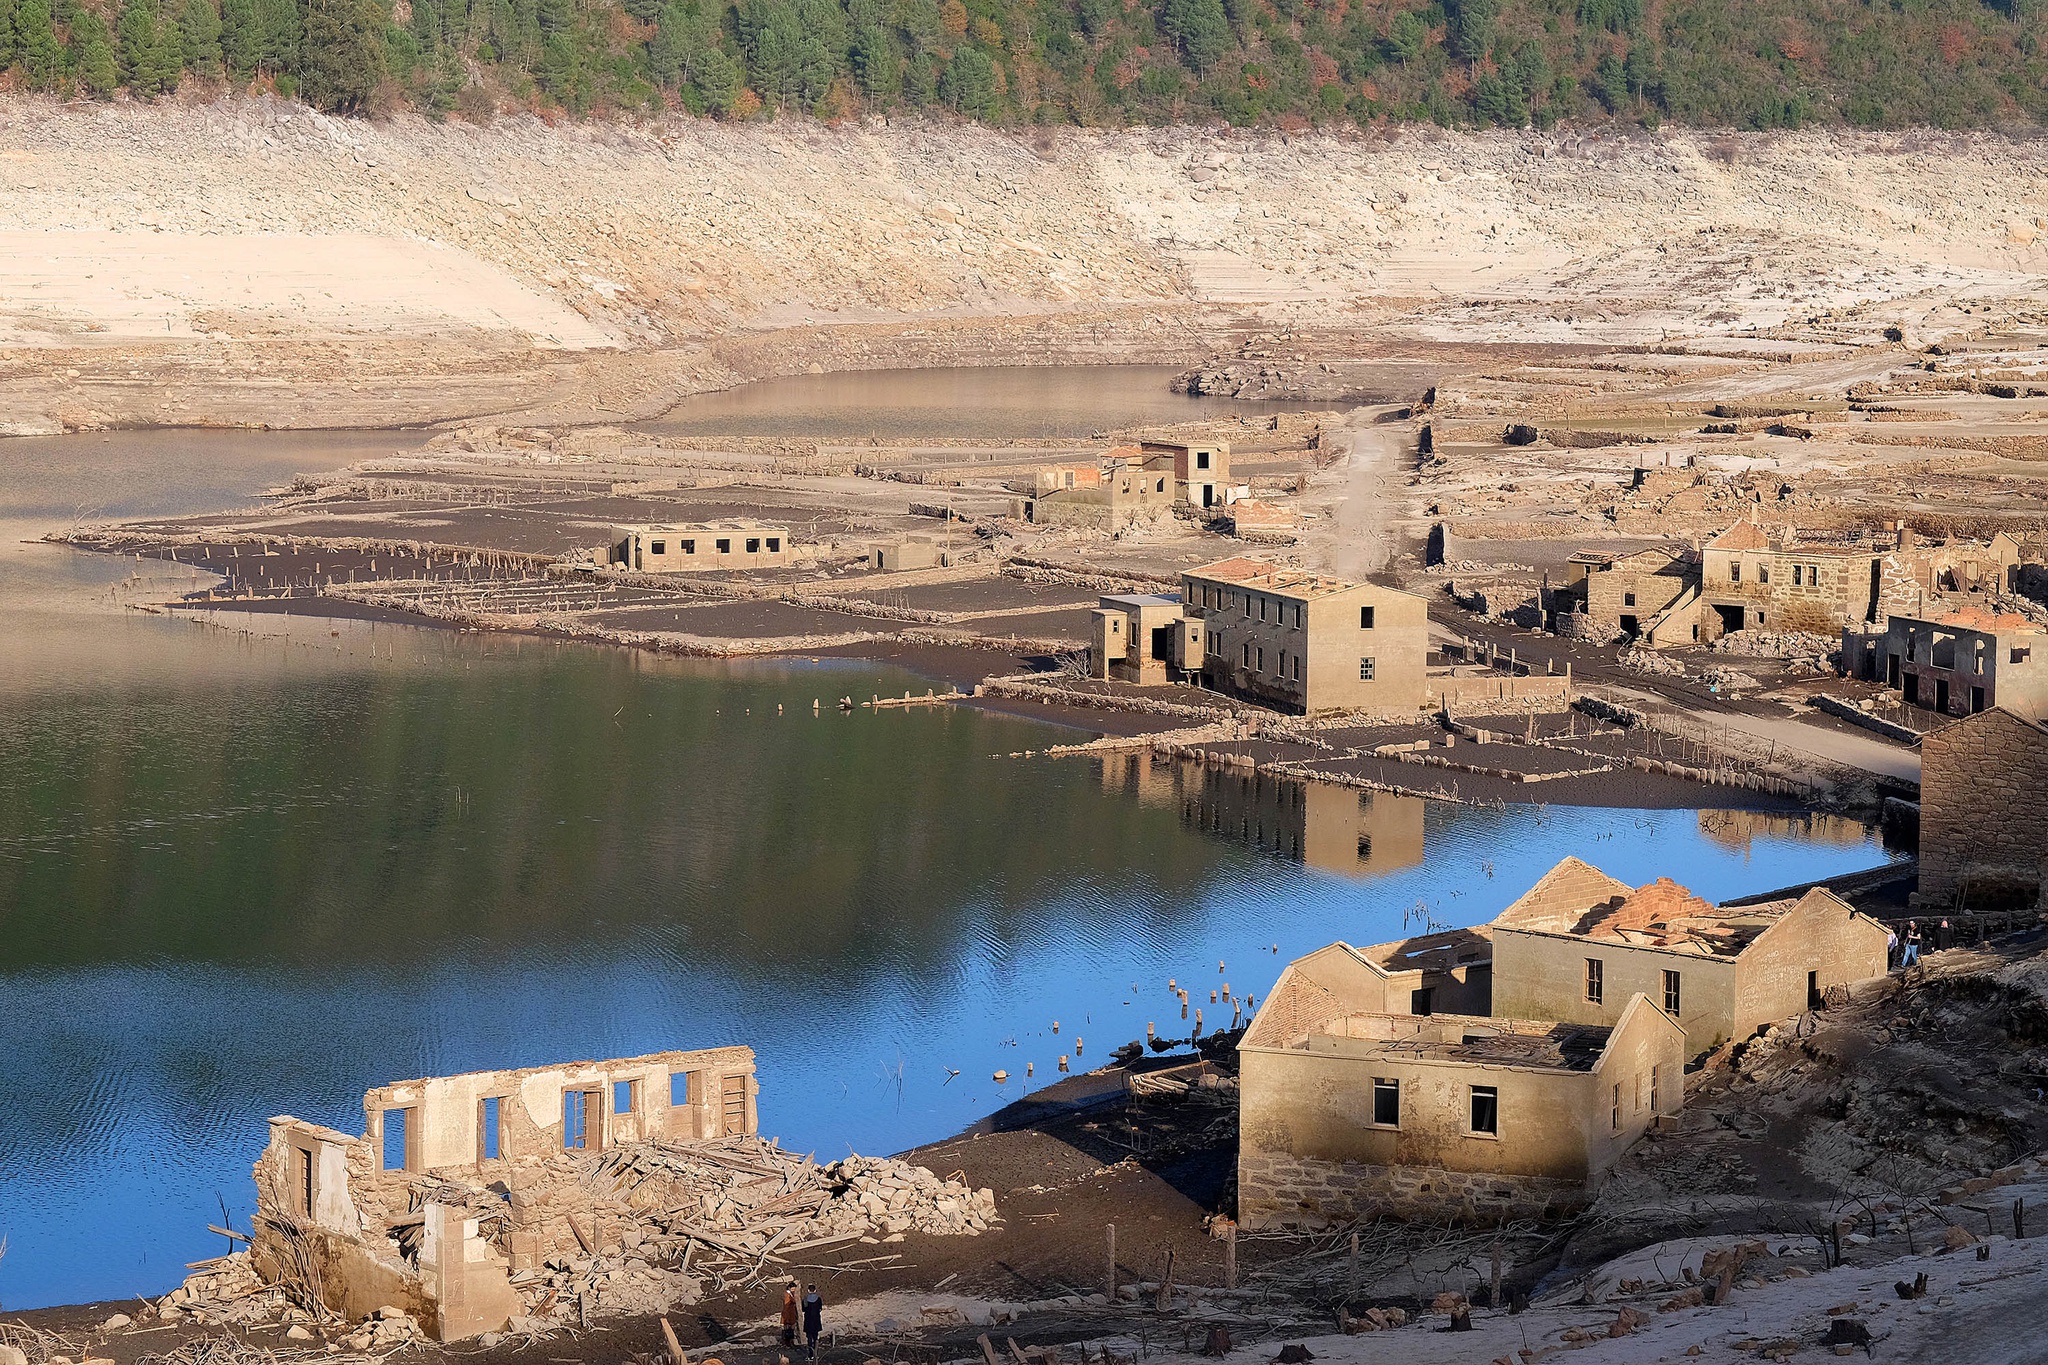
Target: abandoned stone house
x: 1128, y: 491
x: 906, y: 552
x: 1291, y: 638
x: 425, y: 1210
x: 1348, y: 1113
x: 1644, y: 594
x: 1750, y: 578
x: 1200, y: 472
x: 1366, y: 1070
x: 1959, y: 662
x: 1984, y: 813
x: 1579, y: 944
x: 1305, y: 641
x: 699, y: 547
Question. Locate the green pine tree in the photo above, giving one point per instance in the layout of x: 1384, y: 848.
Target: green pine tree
x: 343, y: 57
x: 35, y: 44
x: 92, y: 56
x: 241, y: 37
x: 7, y: 8
x: 279, y: 21
x: 199, y: 27
x: 136, y: 47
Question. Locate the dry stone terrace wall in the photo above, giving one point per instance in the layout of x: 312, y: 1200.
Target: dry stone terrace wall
x: 1275, y: 1189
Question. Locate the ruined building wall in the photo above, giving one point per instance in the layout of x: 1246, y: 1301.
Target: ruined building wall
x: 1983, y: 815
x: 1543, y: 976
x: 1821, y: 936
x: 1307, y: 1143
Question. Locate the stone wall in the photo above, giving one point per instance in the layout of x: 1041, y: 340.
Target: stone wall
x: 1275, y: 1189
x: 1983, y: 820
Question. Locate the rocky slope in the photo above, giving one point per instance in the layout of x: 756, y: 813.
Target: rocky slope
x: 251, y: 261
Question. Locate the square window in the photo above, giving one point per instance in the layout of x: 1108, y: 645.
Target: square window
x: 1486, y: 1110
x: 724, y: 547
x: 1596, y: 983
x: 1366, y: 669
x: 1365, y: 618
x: 1386, y: 1102
x: 689, y: 547
x: 753, y: 545
x: 625, y: 1097
x: 657, y: 547
x: 775, y: 545
x: 1201, y: 459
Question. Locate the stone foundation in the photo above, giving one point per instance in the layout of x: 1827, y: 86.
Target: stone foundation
x: 1278, y: 1190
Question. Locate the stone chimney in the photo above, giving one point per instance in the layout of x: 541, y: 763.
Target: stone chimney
x: 1905, y: 536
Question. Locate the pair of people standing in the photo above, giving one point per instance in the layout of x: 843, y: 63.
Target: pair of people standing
x: 810, y: 1309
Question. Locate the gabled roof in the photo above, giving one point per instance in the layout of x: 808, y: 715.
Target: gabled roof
x: 1560, y: 898
x: 1743, y: 535
x: 1579, y: 901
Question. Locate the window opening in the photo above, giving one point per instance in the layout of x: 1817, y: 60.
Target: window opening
x: 576, y: 1107
x: 401, y: 1141
x: 1386, y: 1102
x: 1596, y: 983
x: 678, y: 1089
x: 1671, y: 996
x: 1486, y: 1109
x: 625, y: 1097
x: 490, y: 1141
x: 1365, y: 618
x: 1366, y: 669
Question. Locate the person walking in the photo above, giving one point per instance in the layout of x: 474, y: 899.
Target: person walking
x: 814, y: 1320
x: 1911, y: 955
x: 1891, y: 950
x: 789, y: 1310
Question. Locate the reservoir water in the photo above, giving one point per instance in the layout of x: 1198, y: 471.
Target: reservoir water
x: 255, y: 866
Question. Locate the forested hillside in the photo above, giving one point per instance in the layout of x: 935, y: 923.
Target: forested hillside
x: 1743, y: 63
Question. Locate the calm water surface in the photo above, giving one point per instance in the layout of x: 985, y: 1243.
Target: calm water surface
x: 251, y: 867
x: 995, y: 402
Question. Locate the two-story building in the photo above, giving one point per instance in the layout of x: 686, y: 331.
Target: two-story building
x: 1749, y: 581
x: 1200, y: 471
x: 1959, y: 662
x: 1305, y: 641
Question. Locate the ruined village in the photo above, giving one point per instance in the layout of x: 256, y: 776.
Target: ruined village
x: 1687, y: 524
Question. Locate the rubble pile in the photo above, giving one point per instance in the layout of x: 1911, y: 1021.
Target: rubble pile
x: 645, y: 1226
x: 227, y: 1290
x: 1773, y: 644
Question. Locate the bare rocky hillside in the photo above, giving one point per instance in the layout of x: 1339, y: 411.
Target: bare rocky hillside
x: 253, y: 262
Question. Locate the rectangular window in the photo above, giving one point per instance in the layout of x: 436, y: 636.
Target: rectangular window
x: 1386, y: 1102
x: 1628, y: 599
x: 1617, y: 1108
x: 1486, y: 1110
x: 1596, y: 984
x: 678, y: 1089
x: 1201, y: 459
x: 1365, y: 618
x: 302, y: 1181
x: 401, y: 1142
x: 775, y: 545
x: 1798, y: 575
x: 1763, y: 573
x: 1245, y: 653
x: 658, y: 547
x: 1366, y: 670
x: 576, y: 1116
x: 1247, y: 604
x: 1297, y: 668
x: 1262, y: 608
x: 2020, y: 656
x: 1735, y: 572
x: 1259, y: 653
x: 689, y: 547
x: 1283, y: 664
x: 489, y: 1142
x: 724, y: 546
x: 1671, y: 997
x: 625, y: 1097
x: 1656, y: 1081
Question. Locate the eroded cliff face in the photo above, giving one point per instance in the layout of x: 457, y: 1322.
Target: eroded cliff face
x: 252, y: 262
